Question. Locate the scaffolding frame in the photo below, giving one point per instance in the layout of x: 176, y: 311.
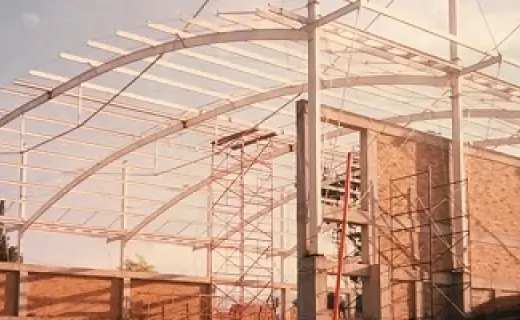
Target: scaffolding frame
x: 242, y: 228
x: 415, y: 220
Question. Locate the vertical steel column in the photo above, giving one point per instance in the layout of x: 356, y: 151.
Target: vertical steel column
x: 284, y: 301
x: 282, y: 237
x: 459, y: 211
x: 23, y: 288
x: 124, y: 192
x: 241, y: 263
x: 431, y: 264
x: 23, y: 181
x: 127, y: 287
x: 314, y: 80
x: 80, y: 102
x: 272, y: 229
x: 211, y: 206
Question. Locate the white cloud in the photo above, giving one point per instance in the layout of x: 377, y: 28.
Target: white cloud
x: 30, y: 18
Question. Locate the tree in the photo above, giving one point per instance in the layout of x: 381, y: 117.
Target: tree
x: 139, y: 265
x: 8, y: 253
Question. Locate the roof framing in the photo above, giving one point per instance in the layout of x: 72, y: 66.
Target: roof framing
x: 423, y: 70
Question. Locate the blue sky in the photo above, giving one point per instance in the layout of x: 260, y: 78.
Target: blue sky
x: 33, y: 33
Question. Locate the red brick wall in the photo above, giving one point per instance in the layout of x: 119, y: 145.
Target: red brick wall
x: 64, y: 294
x: 161, y: 300
x: 494, y: 207
x: 52, y: 295
x: 8, y: 286
x: 407, y: 199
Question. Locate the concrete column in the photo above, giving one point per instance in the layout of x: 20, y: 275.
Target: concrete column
x: 126, y: 306
x: 23, y: 293
x: 419, y: 297
x: 312, y: 278
x: 369, y: 189
x: 376, y: 290
x: 284, y: 303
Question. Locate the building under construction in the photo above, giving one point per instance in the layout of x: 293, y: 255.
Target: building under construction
x: 274, y: 163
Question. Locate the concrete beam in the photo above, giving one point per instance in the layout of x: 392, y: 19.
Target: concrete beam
x: 349, y: 269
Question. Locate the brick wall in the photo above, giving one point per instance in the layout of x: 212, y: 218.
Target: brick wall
x: 55, y: 295
x: 493, y: 205
x: 98, y: 294
x: 405, y: 205
x: 153, y: 299
x: 8, y: 293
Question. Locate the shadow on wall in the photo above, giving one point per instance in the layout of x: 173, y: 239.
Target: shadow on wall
x: 501, y: 308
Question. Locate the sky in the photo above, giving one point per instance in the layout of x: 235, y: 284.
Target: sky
x: 34, y: 32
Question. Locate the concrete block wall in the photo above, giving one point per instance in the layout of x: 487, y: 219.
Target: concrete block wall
x: 98, y: 294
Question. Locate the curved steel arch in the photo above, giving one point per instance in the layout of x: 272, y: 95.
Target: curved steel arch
x: 446, y: 114
x: 496, y: 142
x: 170, y: 46
x: 233, y: 105
x: 420, y: 116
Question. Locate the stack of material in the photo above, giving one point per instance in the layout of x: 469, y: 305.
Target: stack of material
x: 252, y: 311
x: 222, y: 314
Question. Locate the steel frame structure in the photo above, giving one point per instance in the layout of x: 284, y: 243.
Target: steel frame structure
x: 232, y: 204
x: 162, y: 123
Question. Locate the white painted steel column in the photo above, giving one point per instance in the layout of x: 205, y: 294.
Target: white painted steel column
x: 459, y: 189
x: 284, y: 293
x: 314, y: 79
x: 124, y: 193
x: 22, y: 188
x: 23, y: 286
x: 127, y: 286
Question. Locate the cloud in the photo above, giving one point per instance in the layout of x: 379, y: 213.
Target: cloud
x: 30, y: 18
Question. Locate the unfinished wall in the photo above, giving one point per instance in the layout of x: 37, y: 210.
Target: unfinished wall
x: 8, y: 293
x: 494, y: 206
x: 154, y: 299
x: 98, y: 294
x: 405, y: 205
x: 55, y: 295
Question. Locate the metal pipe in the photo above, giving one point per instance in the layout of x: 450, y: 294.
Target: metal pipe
x: 343, y: 236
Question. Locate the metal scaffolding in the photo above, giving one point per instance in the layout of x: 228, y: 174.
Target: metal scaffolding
x: 243, y: 248
x: 420, y: 240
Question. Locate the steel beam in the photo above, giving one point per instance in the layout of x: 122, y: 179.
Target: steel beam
x: 193, y: 188
x: 495, y: 142
x: 231, y: 106
x: 481, y: 65
x: 333, y: 16
x: 170, y: 46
